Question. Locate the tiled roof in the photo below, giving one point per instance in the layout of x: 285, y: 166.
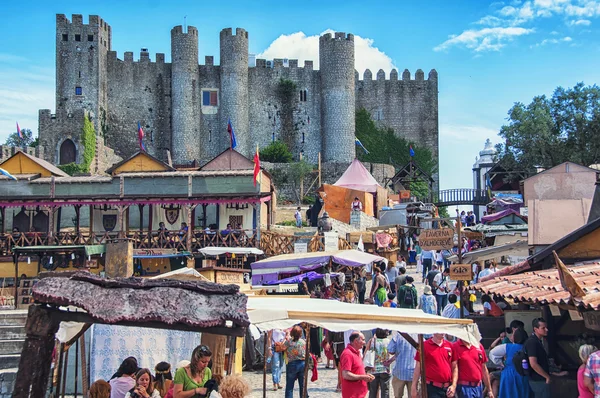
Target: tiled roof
x: 544, y: 287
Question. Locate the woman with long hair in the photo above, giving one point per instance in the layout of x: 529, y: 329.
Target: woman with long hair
x: 295, y: 348
x: 512, y: 384
x: 124, y: 379
x: 163, y: 379
x: 144, y: 386
x: 190, y: 380
x: 99, y: 389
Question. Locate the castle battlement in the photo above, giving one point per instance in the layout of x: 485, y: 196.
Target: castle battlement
x: 419, y: 76
x: 337, y: 36
x: 178, y: 30
x: 228, y: 32
x: 77, y: 20
x: 144, y: 57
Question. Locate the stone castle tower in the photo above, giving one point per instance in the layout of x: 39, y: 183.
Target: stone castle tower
x: 184, y: 106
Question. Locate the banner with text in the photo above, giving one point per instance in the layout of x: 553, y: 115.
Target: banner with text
x: 436, y: 239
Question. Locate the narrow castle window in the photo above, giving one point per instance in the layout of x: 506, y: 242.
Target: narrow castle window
x: 77, y: 37
x: 80, y: 74
x: 303, y: 95
x: 303, y: 138
x: 78, y: 91
x: 90, y: 37
x: 65, y: 37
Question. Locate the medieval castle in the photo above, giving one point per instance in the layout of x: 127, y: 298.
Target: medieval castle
x: 184, y: 107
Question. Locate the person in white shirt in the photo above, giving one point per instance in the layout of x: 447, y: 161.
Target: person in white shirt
x: 401, y: 262
x: 486, y: 271
x: 440, y: 284
x: 356, y: 204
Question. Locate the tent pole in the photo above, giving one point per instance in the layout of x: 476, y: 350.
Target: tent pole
x: 84, y: 371
x: 65, y: 369
x: 59, y: 368
x: 265, y: 365
x: 76, y: 366
x: 307, y: 359
x: 231, y: 360
x: 422, y: 366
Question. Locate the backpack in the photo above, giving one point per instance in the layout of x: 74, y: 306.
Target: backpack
x: 409, y: 299
x: 517, y: 361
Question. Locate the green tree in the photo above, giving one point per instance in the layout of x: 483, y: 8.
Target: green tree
x: 27, y: 140
x: 385, y: 147
x: 276, y: 152
x: 420, y: 190
x: 549, y: 131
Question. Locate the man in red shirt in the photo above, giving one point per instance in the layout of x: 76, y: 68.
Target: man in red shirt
x: 472, y: 370
x: 440, y: 368
x: 354, y: 378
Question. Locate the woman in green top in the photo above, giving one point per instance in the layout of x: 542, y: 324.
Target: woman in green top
x: 189, y: 381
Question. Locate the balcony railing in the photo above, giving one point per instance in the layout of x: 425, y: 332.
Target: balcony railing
x: 141, y: 239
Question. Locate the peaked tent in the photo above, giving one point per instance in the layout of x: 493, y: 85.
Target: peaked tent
x: 357, y: 177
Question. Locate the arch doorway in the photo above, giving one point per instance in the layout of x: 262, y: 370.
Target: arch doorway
x: 68, y: 152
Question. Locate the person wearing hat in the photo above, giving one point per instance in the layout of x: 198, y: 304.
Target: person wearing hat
x: 427, y: 302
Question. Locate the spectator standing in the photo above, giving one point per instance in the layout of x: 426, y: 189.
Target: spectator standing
x: 277, y: 339
x: 539, y: 372
x: 404, y: 355
x: 440, y: 285
x: 391, y: 272
x: 296, y: 352
x: 452, y: 309
x: 427, y: 257
x: 490, y: 308
x: 473, y: 374
x: 124, y: 380
x: 428, y: 303
x: 431, y: 275
x: 298, y: 217
x: 401, y: 262
x: 378, y: 290
x: 407, y: 294
x: 485, y: 272
x: 439, y: 258
x: 584, y: 353
x: 354, y: 377
x: 512, y: 384
x: 360, y: 286
x: 400, y: 279
x: 439, y: 367
x: 381, y: 371
x: 591, y: 373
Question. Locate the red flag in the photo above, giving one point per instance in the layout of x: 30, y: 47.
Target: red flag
x: 19, y: 131
x: 256, y: 166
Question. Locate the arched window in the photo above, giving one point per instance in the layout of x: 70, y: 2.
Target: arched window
x: 68, y: 152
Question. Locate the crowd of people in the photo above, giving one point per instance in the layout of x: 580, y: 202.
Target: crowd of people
x: 192, y: 378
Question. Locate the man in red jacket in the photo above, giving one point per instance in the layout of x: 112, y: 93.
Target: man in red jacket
x: 440, y: 367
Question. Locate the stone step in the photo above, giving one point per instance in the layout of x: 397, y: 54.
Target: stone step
x: 13, y: 317
x: 9, y: 361
x: 11, y: 346
x: 12, y: 332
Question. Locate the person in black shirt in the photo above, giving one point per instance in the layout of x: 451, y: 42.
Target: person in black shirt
x: 539, y: 375
x: 431, y: 274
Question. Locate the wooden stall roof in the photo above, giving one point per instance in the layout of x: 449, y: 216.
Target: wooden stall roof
x: 545, y: 287
x: 139, y: 162
x: 199, y: 305
x: 23, y: 163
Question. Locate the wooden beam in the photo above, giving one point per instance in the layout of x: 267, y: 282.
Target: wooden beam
x: 410, y: 340
x: 373, y: 317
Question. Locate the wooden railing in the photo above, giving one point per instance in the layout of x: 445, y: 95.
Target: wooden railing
x: 274, y: 244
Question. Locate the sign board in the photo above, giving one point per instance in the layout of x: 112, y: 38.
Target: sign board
x: 300, y: 247
x: 331, y: 241
x: 154, y: 252
x: 226, y: 278
x: 404, y: 194
x: 461, y: 272
x: 436, y: 239
x: 591, y: 320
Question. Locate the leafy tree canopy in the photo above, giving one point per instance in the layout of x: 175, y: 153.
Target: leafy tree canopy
x: 549, y: 131
x: 385, y: 147
x: 276, y: 152
x: 27, y: 140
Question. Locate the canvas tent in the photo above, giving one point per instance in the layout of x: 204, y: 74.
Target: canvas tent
x: 357, y: 177
x: 282, y: 313
x: 270, y: 268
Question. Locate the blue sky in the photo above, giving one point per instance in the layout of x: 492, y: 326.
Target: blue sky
x: 488, y: 54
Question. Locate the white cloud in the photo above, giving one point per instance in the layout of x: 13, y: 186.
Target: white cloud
x: 487, y: 39
x: 524, y: 15
x: 301, y: 47
x: 581, y: 22
x: 24, y: 89
x: 544, y: 42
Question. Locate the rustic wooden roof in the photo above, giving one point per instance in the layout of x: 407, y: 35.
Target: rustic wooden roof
x: 138, y: 300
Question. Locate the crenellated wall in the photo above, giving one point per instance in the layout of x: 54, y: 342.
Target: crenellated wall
x: 169, y: 99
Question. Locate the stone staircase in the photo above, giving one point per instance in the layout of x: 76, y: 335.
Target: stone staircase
x: 12, y: 337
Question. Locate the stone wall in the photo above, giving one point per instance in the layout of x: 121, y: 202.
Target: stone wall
x: 7, y: 151
x: 361, y: 221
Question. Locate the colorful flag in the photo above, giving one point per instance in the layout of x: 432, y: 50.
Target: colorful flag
x: 361, y: 244
x: 6, y: 173
x: 412, y: 152
x: 488, y: 184
x: 231, y: 134
x: 256, y: 166
x: 357, y: 142
x: 141, y: 137
x: 19, y: 131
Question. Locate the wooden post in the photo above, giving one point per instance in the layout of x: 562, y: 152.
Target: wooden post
x: 141, y: 210
x: 188, y: 236
x: 320, y: 169
x: 460, y: 283
x: 422, y: 366
x: 76, y: 367
x: 58, y: 218
x: 84, y: 370
x: 77, y: 218
x: 265, y: 348
x: 150, y: 211
x: 3, y: 215
x: 32, y: 381
x: 59, y: 369
x: 16, y: 295
x: 64, y: 375
x: 307, y: 359
x: 92, y: 242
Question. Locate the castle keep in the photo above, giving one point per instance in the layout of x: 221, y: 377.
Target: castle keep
x: 184, y: 107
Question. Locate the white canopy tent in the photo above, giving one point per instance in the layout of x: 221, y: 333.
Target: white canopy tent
x: 281, y: 313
